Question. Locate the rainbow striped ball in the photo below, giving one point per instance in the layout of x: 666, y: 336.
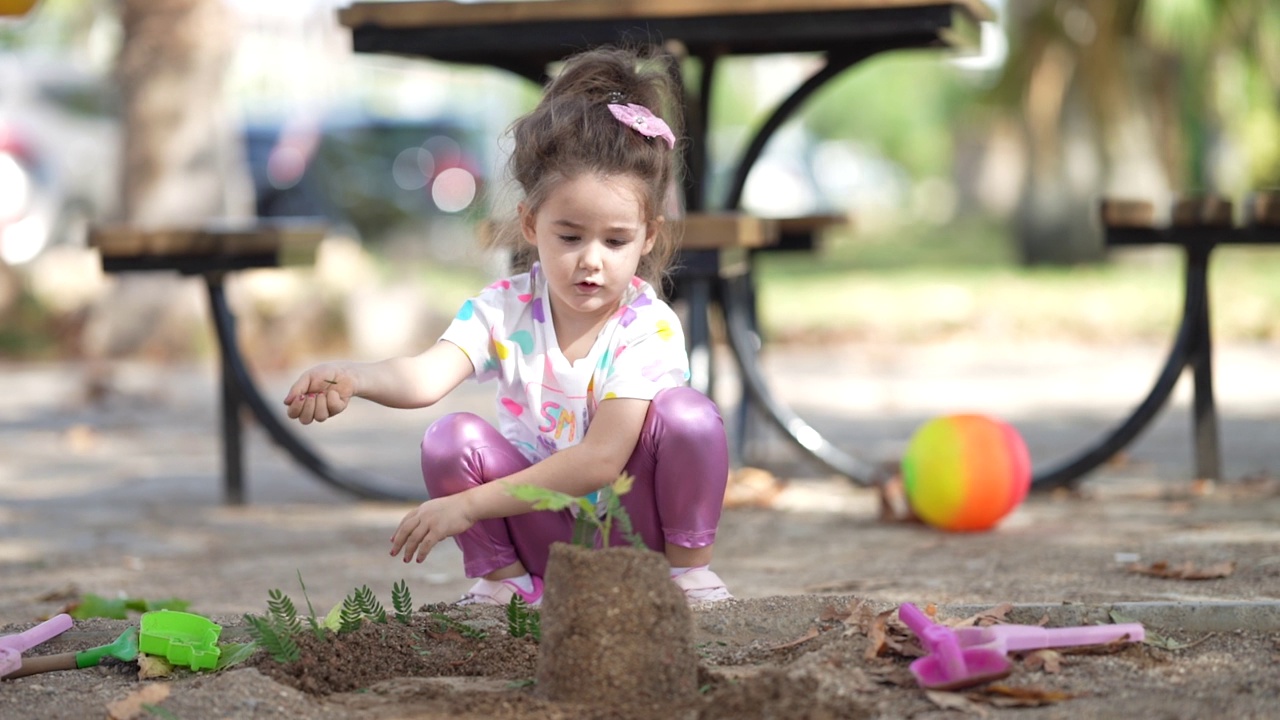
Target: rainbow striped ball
x: 965, y: 472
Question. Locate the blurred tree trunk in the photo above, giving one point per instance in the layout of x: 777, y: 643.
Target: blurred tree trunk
x: 181, y: 165
x: 177, y: 148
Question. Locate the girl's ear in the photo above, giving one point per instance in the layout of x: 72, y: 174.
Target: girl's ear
x: 528, y: 219
x: 651, y: 234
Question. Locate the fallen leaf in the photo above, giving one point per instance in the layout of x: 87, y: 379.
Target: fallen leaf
x: 813, y: 633
x: 987, y: 617
x: 1009, y: 696
x: 1047, y: 660
x: 878, y: 634
x: 856, y: 617
x: 130, y: 707
x: 153, y: 666
x: 751, y: 487
x: 894, y: 505
x: 955, y: 701
x: 1186, y: 570
x: 65, y: 593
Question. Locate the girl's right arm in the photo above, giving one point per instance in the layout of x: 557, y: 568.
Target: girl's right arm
x: 406, y: 382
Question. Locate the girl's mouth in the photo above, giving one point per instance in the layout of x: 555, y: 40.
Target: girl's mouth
x: 587, y: 287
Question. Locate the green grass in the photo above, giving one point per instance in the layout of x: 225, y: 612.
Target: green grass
x: 929, y: 283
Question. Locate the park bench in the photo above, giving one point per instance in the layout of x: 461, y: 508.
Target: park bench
x: 1197, y: 225
x: 213, y: 251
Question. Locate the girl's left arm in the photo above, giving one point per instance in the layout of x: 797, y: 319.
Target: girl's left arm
x: 578, y: 470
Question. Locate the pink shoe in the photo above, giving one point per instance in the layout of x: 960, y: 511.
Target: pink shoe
x: 500, y: 592
x: 701, y: 586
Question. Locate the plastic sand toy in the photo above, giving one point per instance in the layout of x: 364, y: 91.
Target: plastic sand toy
x: 181, y: 638
x: 12, y: 646
x: 963, y: 657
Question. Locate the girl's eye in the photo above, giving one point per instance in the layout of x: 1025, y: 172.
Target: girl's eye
x: 614, y: 242
x: 568, y: 238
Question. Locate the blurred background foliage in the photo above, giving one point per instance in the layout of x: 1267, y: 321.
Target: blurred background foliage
x: 971, y: 183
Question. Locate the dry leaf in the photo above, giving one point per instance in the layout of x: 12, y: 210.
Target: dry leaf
x: 878, y: 634
x: 955, y: 701
x: 1008, y: 696
x: 130, y: 707
x: 813, y: 633
x: 1185, y: 571
x: 65, y: 593
x: 1047, y: 660
x: 153, y: 666
x: 987, y: 617
x: 752, y: 488
x: 894, y: 506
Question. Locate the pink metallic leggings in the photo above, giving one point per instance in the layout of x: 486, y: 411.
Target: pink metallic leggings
x: 681, y: 465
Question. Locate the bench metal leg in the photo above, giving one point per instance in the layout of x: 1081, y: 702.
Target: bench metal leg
x: 1204, y: 414
x: 240, y: 388
x: 232, y: 453
x: 741, y: 340
x: 1067, y: 472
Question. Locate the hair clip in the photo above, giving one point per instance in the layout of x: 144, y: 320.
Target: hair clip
x: 643, y: 121
x: 614, y: 97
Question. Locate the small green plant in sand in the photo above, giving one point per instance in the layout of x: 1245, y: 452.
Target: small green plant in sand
x: 593, y: 518
x: 523, y: 620
x: 275, y: 631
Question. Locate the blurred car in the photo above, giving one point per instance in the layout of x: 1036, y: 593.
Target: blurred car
x: 59, y: 154
x: 375, y: 176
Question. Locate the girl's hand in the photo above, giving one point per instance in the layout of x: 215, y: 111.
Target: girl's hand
x: 321, y: 392
x: 428, y: 524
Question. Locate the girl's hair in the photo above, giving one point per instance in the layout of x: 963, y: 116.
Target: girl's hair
x: 572, y: 132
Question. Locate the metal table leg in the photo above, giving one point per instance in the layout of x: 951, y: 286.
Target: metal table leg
x: 239, y: 388
x: 1186, y: 341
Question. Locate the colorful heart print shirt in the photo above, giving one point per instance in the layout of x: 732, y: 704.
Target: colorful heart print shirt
x: 545, y: 403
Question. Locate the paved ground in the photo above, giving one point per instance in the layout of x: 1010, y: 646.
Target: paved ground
x: 125, y: 498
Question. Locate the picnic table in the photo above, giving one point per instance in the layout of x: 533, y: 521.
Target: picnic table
x: 715, y: 270
x: 212, y: 251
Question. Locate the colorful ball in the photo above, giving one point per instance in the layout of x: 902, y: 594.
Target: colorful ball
x: 965, y: 472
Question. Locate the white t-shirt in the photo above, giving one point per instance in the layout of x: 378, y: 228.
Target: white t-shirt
x: 545, y: 403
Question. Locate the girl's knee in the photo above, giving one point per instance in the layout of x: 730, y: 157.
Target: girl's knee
x: 687, y: 409
x: 446, y: 447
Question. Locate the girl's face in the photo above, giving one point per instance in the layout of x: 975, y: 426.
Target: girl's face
x: 590, y: 235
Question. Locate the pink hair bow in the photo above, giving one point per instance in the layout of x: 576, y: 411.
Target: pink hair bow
x: 642, y: 120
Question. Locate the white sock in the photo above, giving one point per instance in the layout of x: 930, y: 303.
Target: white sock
x: 678, y: 571
x: 524, y: 582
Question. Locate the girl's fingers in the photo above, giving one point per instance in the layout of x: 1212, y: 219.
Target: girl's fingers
x: 322, y: 408
x: 335, y: 402
x: 308, y: 410
x: 424, y: 548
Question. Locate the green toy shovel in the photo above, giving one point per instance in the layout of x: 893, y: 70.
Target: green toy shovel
x: 124, y: 648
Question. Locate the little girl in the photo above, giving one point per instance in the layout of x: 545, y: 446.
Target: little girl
x: 590, y: 362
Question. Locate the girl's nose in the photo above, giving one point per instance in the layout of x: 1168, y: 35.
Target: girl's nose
x: 590, y: 256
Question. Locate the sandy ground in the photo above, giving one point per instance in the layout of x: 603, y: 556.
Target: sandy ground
x: 124, y: 499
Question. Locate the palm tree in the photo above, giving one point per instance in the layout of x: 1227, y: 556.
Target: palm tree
x: 1133, y: 97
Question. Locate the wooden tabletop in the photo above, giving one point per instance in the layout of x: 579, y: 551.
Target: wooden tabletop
x: 441, y: 13
x: 525, y: 37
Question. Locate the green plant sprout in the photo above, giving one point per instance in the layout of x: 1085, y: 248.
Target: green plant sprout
x: 275, y: 631
x: 316, y: 627
x: 402, y: 602
x: 274, y: 637
x: 593, y: 518
x: 359, y: 606
x: 523, y: 620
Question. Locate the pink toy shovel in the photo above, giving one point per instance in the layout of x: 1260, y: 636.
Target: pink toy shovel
x: 12, y: 646
x: 963, y: 657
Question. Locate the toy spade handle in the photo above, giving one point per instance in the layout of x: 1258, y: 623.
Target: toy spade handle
x: 44, y: 663
x: 28, y: 639
x: 1069, y: 636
